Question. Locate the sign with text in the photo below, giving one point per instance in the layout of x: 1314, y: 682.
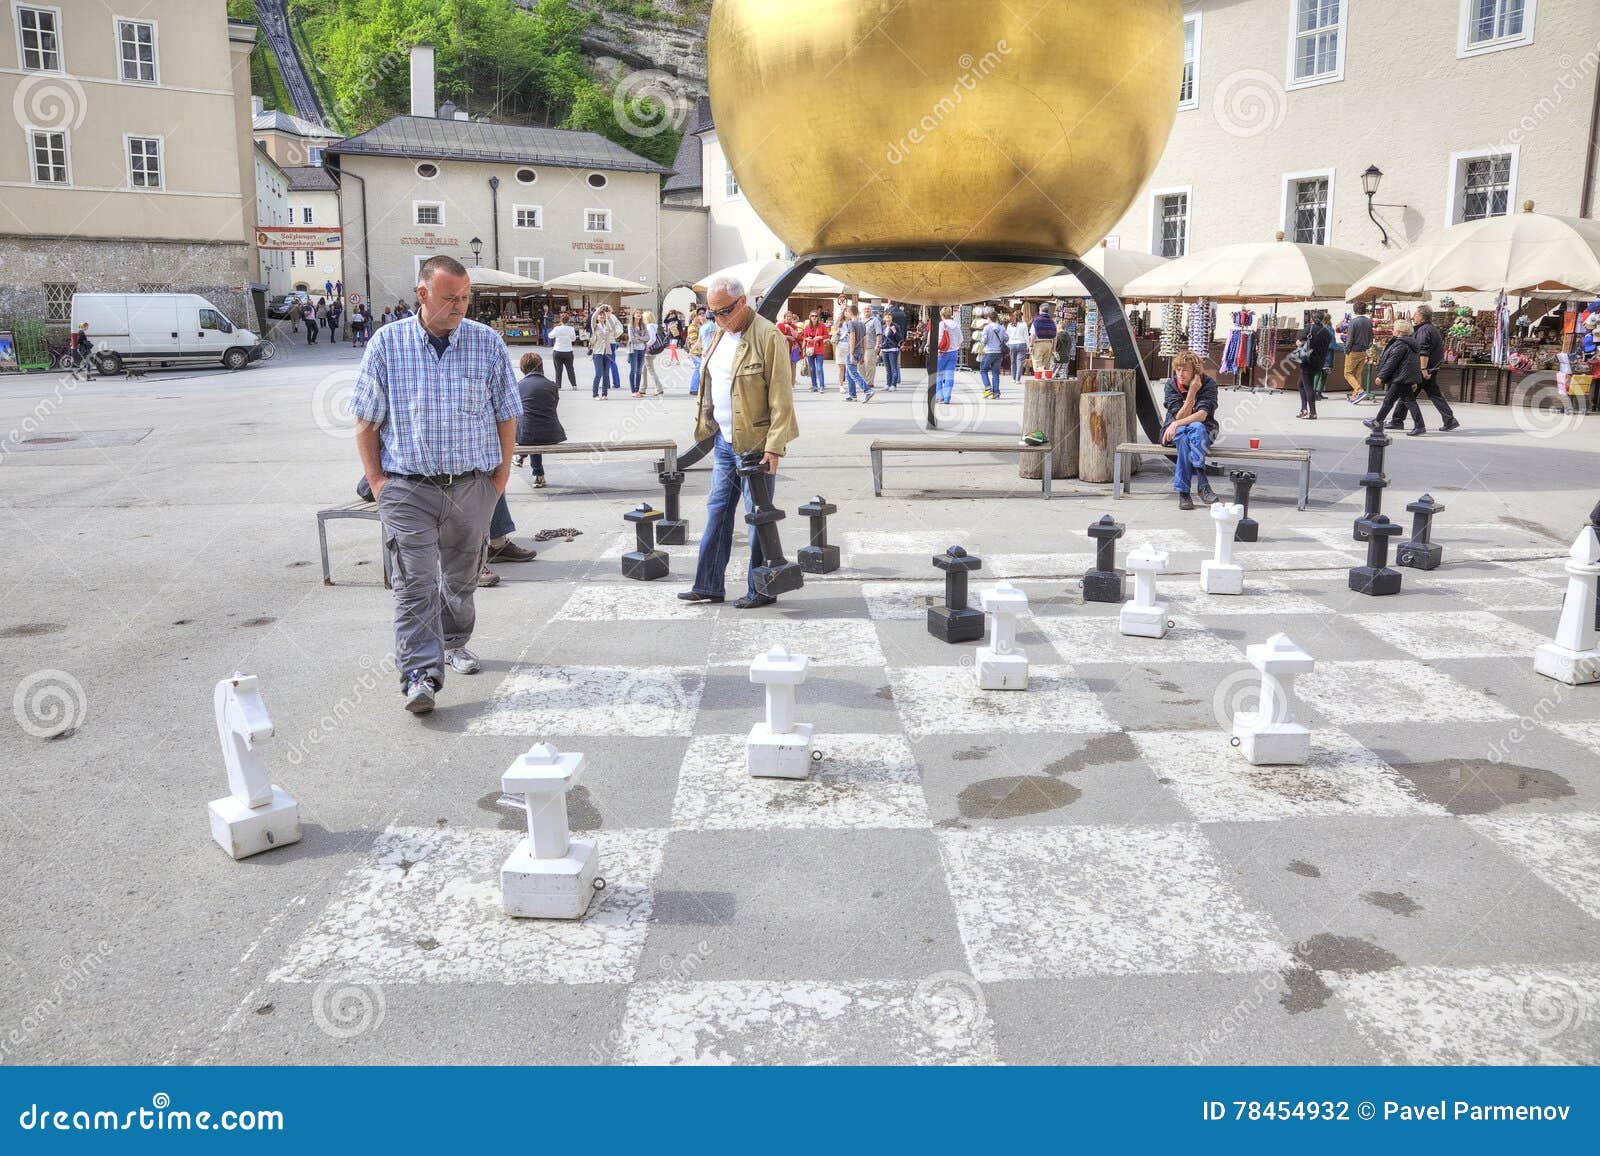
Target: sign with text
x: 272, y: 237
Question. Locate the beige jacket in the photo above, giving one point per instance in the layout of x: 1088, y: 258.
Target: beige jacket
x: 763, y: 391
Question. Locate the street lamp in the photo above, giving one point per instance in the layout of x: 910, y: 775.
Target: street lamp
x: 1370, y: 180
x: 476, y: 245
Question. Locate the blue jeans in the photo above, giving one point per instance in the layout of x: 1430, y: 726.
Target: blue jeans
x: 819, y: 372
x: 500, y: 523
x: 616, y: 377
x: 722, y: 507
x: 853, y: 378
x: 989, y: 373
x: 1019, y: 354
x: 947, y: 373
x: 1191, y: 442
x: 891, y: 368
x: 635, y: 369
x: 604, y: 366
x: 694, y: 378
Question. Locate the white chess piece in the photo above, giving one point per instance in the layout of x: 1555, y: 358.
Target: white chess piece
x: 550, y: 875
x: 1220, y: 574
x: 1270, y: 736
x: 1002, y: 665
x: 1144, y: 617
x: 255, y: 815
x: 779, y: 747
x: 1574, y: 657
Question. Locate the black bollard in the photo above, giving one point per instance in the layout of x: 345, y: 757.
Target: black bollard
x: 1419, y: 551
x: 1373, y: 481
x: 644, y: 561
x: 1376, y: 577
x: 1248, y: 528
x: 776, y: 575
x: 672, y: 530
x: 818, y: 557
x: 1104, y: 582
x: 955, y: 621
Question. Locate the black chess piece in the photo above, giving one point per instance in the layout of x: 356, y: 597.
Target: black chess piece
x: 1104, y: 582
x: 776, y: 575
x: 1248, y: 528
x: 644, y: 561
x: 1420, y: 552
x: 672, y: 530
x: 1376, y: 577
x: 818, y: 557
x: 1373, y: 481
x: 955, y: 621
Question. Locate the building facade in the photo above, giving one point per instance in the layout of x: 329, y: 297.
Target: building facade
x: 314, y: 203
x: 734, y: 232
x: 292, y: 141
x: 127, y: 163
x: 272, y: 210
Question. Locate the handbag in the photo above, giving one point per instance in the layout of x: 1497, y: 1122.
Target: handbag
x: 660, y: 343
x: 944, y: 340
x: 1299, y: 353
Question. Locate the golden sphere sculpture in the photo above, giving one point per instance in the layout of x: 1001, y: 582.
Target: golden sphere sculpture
x: 943, y: 124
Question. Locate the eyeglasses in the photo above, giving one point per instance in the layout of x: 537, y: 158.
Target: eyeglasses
x: 727, y: 309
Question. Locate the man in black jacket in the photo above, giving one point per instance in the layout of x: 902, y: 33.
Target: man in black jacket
x: 539, y: 425
x: 1400, y: 370
x: 1430, y: 344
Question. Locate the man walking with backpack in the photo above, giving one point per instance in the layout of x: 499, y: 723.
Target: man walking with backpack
x: 1044, y: 340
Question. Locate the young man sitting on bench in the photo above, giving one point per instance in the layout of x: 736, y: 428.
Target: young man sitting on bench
x: 1191, y: 426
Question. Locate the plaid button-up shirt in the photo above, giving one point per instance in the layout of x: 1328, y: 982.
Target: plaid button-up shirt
x: 436, y: 414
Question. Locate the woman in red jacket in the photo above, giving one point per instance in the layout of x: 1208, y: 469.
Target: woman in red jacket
x: 814, y: 339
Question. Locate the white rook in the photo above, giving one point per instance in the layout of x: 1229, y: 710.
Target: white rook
x: 1002, y: 665
x: 779, y: 747
x: 550, y: 875
x: 1573, y: 657
x: 255, y: 815
x: 1144, y: 616
x: 1269, y: 736
x: 1220, y: 574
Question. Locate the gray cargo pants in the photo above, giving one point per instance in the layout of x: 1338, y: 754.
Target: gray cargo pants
x: 438, y: 539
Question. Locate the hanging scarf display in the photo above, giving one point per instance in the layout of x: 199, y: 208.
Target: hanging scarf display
x: 1093, y: 331
x: 1236, y: 356
x: 1502, y: 330
x: 1202, y: 324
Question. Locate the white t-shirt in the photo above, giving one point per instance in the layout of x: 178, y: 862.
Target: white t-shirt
x: 1017, y: 333
x: 953, y: 327
x: 562, y: 337
x: 721, y: 369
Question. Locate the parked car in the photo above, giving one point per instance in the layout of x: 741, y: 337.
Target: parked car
x: 163, y: 329
x: 278, y: 307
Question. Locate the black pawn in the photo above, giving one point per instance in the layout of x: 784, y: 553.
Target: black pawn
x: 1419, y: 551
x: 1248, y: 528
x: 644, y: 561
x: 672, y: 530
x: 1104, y: 582
x: 1376, y: 577
x: 818, y: 557
x: 1374, y: 480
x: 955, y: 621
x: 776, y: 575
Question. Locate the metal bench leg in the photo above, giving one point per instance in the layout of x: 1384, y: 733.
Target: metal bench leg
x: 322, y: 540
x: 1116, y: 474
x: 1305, y: 484
x: 877, y: 473
x: 1046, y: 470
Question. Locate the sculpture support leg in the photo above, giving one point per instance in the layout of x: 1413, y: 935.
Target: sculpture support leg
x: 1116, y: 322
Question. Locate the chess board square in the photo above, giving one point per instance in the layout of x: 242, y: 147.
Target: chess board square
x: 1213, y: 780
x: 946, y: 700
x: 997, y: 566
x: 1312, y: 560
x: 1512, y: 553
x: 1481, y: 1015
x: 1100, y: 900
x: 427, y: 908
x: 1458, y: 634
x: 1513, y: 593
x: 862, y: 780
x: 1563, y: 850
x: 634, y: 602
x: 923, y: 542
x: 938, y: 1020
x: 1584, y: 733
x: 593, y: 700
x: 1099, y: 639
x: 908, y: 601
x: 826, y: 642
x: 1353, y: 693
x: 1261, y: 596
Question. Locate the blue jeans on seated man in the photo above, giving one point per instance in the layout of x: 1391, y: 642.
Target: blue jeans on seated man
x: 989, y: 373
x: 853, y: 378
x: 947, y: 373
x: 1191, y: 441
x: 722, y: 508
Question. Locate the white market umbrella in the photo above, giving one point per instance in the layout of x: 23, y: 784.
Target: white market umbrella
x: 1256, y: 271
x: 483, y: 277
x: 1116, y: 267
x: 754, y: 275
x: 595, y: 283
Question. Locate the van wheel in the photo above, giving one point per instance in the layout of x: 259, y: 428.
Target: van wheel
x: 110, y: 361
x: 235, y: 359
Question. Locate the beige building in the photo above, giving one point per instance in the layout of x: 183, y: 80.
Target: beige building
x: 126, y: 164
x: 734, y: 232
x: 272, y: 211
x: 290, y: 140
x: 314, y: 203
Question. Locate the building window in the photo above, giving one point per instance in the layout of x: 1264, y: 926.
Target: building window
x: 1307, y: 203
x: 527, y: 217
x: 530, y: 267
x: 597, y: 180
x: 1317, y: 47
x: 730, y: 183
x: 427, y: 213
x: 1189, y: 89
x: 597, y: 265
x: 294, y: 261
x: 597, y: 220
x: 136, y: 49
x: 39, y: 39
x: 1482, y: 185
x: 50, y: 157
x: 526, y: 176
x: 58, y: 301
x: 305, y: 215
x: 314, y: 155
x: 311, y: 258
x: 427, y: 170
x: 144, y: 162
x: 1491, y: 25
x: 1172, y: 224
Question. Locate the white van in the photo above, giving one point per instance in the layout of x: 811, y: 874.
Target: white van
x: 162, y: 328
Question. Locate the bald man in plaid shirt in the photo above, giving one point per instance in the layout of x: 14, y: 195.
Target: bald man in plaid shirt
x: 437, y: 410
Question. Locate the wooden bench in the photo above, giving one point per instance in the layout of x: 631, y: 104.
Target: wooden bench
x: 667, y: 448
x: 1300, y: 457
x: 968, y: 444
x: 362, y: 511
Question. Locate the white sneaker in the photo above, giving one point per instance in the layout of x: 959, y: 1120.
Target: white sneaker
x: 462, y: 661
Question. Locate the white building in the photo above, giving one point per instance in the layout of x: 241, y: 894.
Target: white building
x: 314, y: 202
x: 734, y: 232
x: 272, y: 209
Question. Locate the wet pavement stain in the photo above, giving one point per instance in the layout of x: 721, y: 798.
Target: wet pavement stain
x: 296, y: 565
x: 1015, y: 795
x: 1479, y: 786
x: 263, y: 621
x: 1305, y: 990
x: 1532, y: 528
x: 182, y: 621
x: 1396, y: 901
x: 1168, y: 685
x: 885, y: 693
x: 972, y: 753
x: 264, y: 1010
x: 32, y: 629
x: 1112, y: 748
x: 1301, y: 867
x: 427, y: 942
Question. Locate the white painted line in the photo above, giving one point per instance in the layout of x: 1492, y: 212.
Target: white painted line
x: 945, y: 700
x: 536, y: 701
x: 1563, y: 850
x: 1398, y: 691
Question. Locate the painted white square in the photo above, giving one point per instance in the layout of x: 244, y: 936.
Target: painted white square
x: 825, y: 641
x: 862, y: 781
x: 1481, y: 1015
x: 426, y: 909
x: 1081, y: 639
x: 634, y: 602
x: 1264, y: 596
x: 1451, y: 634
x: 998, y: 566
x: 1516, y: 593
x: 940, y: 1020
x: 593, y: 700
x: 1101, y: 900
x: 945, y: 700
x: 908, y: 601
x: 1206, y: 772
x: 1256, y: 559
x: 1398, y: 691
x: 1563, y: 850
x: 1584, y: 733
x: 924, y: 542
x: 1511, y: 553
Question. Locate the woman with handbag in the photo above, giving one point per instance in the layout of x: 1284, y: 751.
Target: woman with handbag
x: 657, y: 335
x: 815, y: 339
x: 1311, y: 354
x: 949, y: 352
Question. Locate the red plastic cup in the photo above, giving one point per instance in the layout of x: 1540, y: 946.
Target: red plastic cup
x: 1037, y: 375
x: 1255, y: 443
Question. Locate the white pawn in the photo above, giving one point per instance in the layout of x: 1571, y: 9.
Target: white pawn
x: 255, y: 815
x: 1270, y: 736
x: 1144, y: 617
x: 1574, y: 657
x: 779, y: 747
x: 1002, y: 665
x: 1220, y: 574
x: 550, y: 875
